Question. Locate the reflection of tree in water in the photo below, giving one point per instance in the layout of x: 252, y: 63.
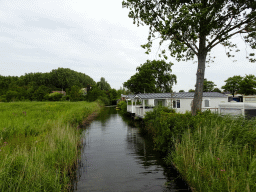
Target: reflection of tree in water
x: 104, y: 115
x: 143, y: 150
x: 127, y: 119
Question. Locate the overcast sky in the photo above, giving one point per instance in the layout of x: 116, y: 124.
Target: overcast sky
x: 93, y: 37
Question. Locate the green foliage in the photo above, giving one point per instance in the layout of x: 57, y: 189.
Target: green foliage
x: 38, y: 87
x: 248, y: 85
x: 11, y: 96
x: 103, y: 84
x: 75, y: 94
x: 212, y: 152
x: 218, y: 155
x: 152, y: 77
x: 38, y: 145
x: 191, y: 90
x: 40, y: 93
x: 208, y: 86
x: 113, y: 96
x: 216, y: 90
x: 34, y: 86
x: 3, y: 98
x: 188, y: 23
x: 163, y: 124
x: 193, y: 28
x: 94, y: 93
x: 232, y: 84
x: 54, y: 96
x: 104, y: 99
x: 122, y: 105
x: 180, y: 91
x: 244, y: 85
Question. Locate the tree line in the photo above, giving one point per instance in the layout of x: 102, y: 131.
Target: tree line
x: 237, y: 84
x: 39, y: 87
x: 156, y: 77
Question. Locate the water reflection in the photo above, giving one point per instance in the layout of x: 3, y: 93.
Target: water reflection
x: 116, y: 158
x: 105, y: 114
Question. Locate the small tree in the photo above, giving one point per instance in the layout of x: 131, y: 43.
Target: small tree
x: 75, y: 94
x: 103, y: 84
x: 248, y: 85
x: 216, y: 90
x: 233, y: 84
x: 208, y: 86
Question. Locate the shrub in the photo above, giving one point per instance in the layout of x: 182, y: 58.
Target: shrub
x: 11, y: 96
x: 122, y: 105
x: 105, y: 100
x: 54, y: 96
x: 3, y: 98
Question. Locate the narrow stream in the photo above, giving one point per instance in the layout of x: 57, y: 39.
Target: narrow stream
x: 116, y: 158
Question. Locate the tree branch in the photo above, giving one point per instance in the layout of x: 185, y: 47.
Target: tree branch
x: 240, y: 31
x: 191, y: 47
x: 212, y: 44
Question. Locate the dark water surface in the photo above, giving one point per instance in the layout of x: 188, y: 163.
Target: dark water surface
x: 116, y: 158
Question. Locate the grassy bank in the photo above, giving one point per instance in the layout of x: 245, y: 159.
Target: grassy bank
x: 38, y: 144
x: 211, y: 152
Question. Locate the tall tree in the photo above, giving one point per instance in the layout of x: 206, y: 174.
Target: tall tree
x: 103, y: 84
x: 232, y: 84
x: 152, y: 77
x: 194, y: 27
x: 208, y: 86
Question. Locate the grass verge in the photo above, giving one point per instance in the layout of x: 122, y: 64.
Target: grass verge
x: 39, y: 144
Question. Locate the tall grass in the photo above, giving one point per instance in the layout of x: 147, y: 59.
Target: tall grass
x: 212, y: 153
x: 39, y: 144
x: 218, y: 155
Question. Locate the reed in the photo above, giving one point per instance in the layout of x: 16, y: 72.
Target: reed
x: 218, y: 154
x: 211, y: 152
x: 39, y: 144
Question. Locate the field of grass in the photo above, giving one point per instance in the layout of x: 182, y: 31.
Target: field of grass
x: 211, y: 152
x: 39, y: 144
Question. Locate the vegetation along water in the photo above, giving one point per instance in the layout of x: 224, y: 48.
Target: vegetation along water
x: 39, y: 144
x: 212, y: 152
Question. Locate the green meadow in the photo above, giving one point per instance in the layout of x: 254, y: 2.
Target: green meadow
x: 39, y: 144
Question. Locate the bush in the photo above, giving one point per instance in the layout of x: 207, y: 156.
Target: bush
x: 11, y: 96
x: 3, y: 98
x: 122, y: 105
x: 75, y: 94
x: 54, y: 96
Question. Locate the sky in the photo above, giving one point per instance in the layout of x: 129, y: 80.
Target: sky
x: 96, y: 38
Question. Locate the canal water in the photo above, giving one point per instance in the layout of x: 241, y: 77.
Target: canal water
x: 116, y: 158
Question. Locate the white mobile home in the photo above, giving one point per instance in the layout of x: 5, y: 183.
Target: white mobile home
x: 249, y: 98
x: 239, y: 108
x: 180, y: 101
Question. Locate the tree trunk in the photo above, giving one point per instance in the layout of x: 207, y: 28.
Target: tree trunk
x: 197, y: 102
